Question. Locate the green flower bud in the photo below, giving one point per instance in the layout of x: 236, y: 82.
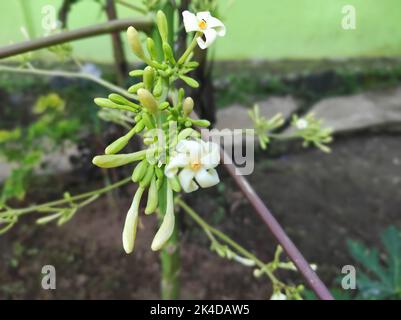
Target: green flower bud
x: 159, y: 172
x: 188, y: 124
x: 147, y: 100
x: 189, y: 81
x: 140, y: 170
x: 117, y: 160
x: 135, y: 42
x: 148, y: 177
x: 159, y: 182
x: 201, y: 123
x: 138, y: 118
x: 106, y: 103
x: 162, y: 25
x: 158, y: 89
x: 148, y: 121
x: 188, y: 106
x: 120, y: 143
x: 168, y: 53
x: 148, y: 77
x: 136, y: 73
x: 116, y: 98
x: 192, y: 64
x: 139, y: 126
x: 175, y: 184
x: 188, y: 132
x: 153, y: 198
x: 164, y: 105
x: 150, y: 44
x: 136, y: 87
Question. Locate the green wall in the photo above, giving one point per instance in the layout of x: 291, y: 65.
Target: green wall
x: 259, y: 29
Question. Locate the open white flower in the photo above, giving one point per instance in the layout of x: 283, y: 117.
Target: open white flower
x: 197, y: 160
x: 211, y: 27
x: 301, y: 124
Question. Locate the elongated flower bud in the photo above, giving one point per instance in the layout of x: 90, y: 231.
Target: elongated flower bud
x: 135, y: 42
x: 147, y: 100
x: 153, y: 198
x: 162, y: 25
x: 148, y: 77
x: 134, y: 88
x: 140, y: 170
x: 158, y: 89
x: 106, y: 103
x: 167, y: 227
x: 175, y: 184
x: 120, y: 143
x: 117, y: 160
x: 201, y: 123
x: 188, y: 106
x: 119, y: 99
x: 190, y: 81
x: 148, y: 121
x: 150, y: 44
x: 148, y: 177
x: 131, y: 222
x: 168, y: 53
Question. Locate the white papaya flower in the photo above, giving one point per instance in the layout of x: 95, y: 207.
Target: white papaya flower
x: 131, y: 222
x: 167, y: 227
x: 211, y: 27
x: 197, y: 159
x: 278, y: 296
x: 301, y: 124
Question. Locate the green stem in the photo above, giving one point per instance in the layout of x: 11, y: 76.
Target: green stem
x: 213, y: 231
x: 69, y: 74
x: 20, y: 212
x: 190, y: 48
x: 171, y: 267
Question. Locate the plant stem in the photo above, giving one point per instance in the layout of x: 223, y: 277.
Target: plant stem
x: 20, y: 212
x: 69, y: 74
x: 171, y: 267
x: 190, y: 48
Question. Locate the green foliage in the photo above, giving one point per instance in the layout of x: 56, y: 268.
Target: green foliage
x: 381, y: 278
x: 25, y: 147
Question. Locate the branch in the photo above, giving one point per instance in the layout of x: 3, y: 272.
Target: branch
x: 82, y: 33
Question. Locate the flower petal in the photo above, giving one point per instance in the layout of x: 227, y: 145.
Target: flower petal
x: 217, y: 25
x: 204, y: 15
x: 207, y: 178
x: 211, y: 157
x: 180, y: 160
x: 191, y: 22
x: 167, y: 227
x: 191, y: 148
x: 210, y: 35
x: 187, y: 182
x: 131, y: 222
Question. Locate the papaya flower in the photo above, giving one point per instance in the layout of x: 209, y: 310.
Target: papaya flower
x: 278, y: 296
x: 197, y: 160
x: 205, y: 23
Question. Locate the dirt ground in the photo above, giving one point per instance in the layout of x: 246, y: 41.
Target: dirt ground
x: 321, y: 200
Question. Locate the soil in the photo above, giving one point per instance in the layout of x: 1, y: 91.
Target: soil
x: 321, y: 200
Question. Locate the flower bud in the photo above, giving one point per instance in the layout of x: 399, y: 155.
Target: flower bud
x: 168, y: 53
x: 162, y: 25
x: 148, y: 177
x: 139, y: 126
x: 190, y: 81
x: 116, y: 98
x: 150, y: 44
x: 148, y: 121
x: 158, y: 89
x: 147, y: 100
x: 175, y: 184
x: 164, y: 105
x: 201, y: 123
x: 120, y: 143
x: 135, y: 42
x: 153, y: 199
x: 118, y: 160
x: 188, y: 106
x: 136, y: 87
x: 131, y: 222
x: 106, y: 103
x: 167, y: 227
x: 136, y: 73
x: 140, y: 170
x: 148, y: 77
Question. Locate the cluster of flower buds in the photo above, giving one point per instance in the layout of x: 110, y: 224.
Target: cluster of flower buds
x: 162, y: 117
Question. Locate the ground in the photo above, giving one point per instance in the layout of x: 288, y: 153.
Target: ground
x: 321, y: 200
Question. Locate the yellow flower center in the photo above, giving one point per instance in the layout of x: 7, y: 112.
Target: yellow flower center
x: 202, y: 24
x: 195, y: 165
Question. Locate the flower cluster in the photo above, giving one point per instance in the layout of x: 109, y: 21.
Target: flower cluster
x: 175, y: 157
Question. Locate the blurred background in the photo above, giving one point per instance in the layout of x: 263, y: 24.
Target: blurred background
x: 339, y: 59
